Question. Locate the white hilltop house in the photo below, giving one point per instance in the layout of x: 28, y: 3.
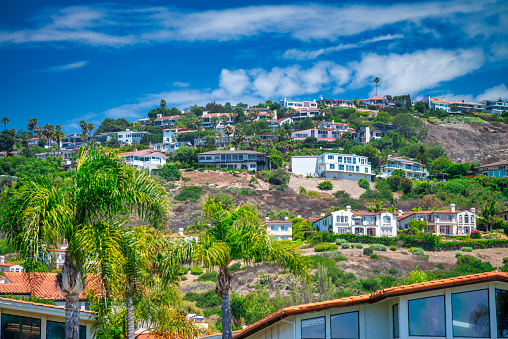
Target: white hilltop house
x: 280, y: 229
x: 381, y: 224
x: 333, y: 165
x: 144, y: 159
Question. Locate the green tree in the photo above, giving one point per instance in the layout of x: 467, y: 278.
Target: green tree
x: 417, y: 226
x: 239, y: 235
x: 48, y: 133
x: 376, y: 206
x: 487, y: 214
x: 228, y: 130
x: 32, y: 123
x: 5, y: 121
x: 215, y: 121
x: 7, y: 140
x: 84, y: 130
x: 162, y: 105
x: 87, y: 208
x: 169, y: 172
x: 325, y: 185
x: 255, y: 143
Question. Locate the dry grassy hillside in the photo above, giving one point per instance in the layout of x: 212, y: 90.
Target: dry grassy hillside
x: 468, y: 142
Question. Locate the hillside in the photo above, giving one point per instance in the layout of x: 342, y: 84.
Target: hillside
x: 469, y: 142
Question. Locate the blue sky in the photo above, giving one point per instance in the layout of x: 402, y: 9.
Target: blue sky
x: 64, y: 61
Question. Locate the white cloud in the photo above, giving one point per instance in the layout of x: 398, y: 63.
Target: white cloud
x: 413, y: 72
x: 117, y: 26
x: 73, y: 65
x: 494, y: 93
x: 298, y: 54
x: 180, y: 84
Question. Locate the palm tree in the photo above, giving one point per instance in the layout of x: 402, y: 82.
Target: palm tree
x: 253, y: 115
x: 224, y: 119
x: 233, y: 116
x: 59, y: 136
x: 199, y: 123
x: 163, y: 106
x: 376, y: 206
x: 228, y: 130
x: 290, y: 112
x: 84, y: 129
x: 90, y: 128
x: 237, y: 234
x: 255, y: 143
x: 84, y: 209
x: 48, y: 133
x: 488, y: 213
x: 32, y: 122
x: 5, y: 121
x: 270, y: 114
x: 215, y: 122
x: 376, y: 80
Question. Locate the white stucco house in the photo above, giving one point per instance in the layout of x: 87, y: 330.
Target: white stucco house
x: 333, y: 165
x: 144, y: 159
x: 280, y: 229
x: 413, y: 169
x: 382, y: 224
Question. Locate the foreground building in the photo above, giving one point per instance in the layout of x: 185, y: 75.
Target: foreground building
x: 471, y: 306
x: 251, y: 160
x: 333, y: 165
x: 382, y: 224
x: 24, y: 319
x: 446, y: 222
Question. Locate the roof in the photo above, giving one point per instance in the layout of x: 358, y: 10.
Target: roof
x: 374, y: 98
x: 174, y: 117
x: 278, y: 221
x: 40, y: 304
x: 439, y: 100
x: 505, y: 162
x: 42, y: 285
x: 230, y: 152
x: 404, y: 160
x: 372, y: 298
x: 143, y: 152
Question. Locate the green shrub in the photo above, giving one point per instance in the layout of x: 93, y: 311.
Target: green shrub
x: 368, y: 251
x: 325, y: 247
x: 359, y: 246
x: 505, y: 260
x: 189, y: 194
x: 183, y: 270
x: 340, y: 241
x: 364, y: 183
x: 314, y: 260
x: 208, y: 299
x: 467, y: 264
x: 236, y: 267
x: 370, y: 284
x: 341, y: 258
x: 183, y: 278
x: 440, y: 266
x: 374, y: 256
x: 226, y: 200
x: 378, y: 247
x: 466, y: 249
x: 215, y: 310
x: 417, y: 250
x: 169, y: 172
x: 279, y: 177
x: 393, y: 271
x: 196, y: 270
x: 346, y: 245
x: 325, y: 185
x: 210, y: 276
x: 393, y: 248
x: 458, y: 254
x: 504, y: 268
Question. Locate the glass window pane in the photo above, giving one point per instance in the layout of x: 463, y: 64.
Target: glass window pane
x: 313, y: 328
x: 396, y: 321
x: 17, y: 327
x: 501, y: 313
x: 344, y: 326
x: 427, y: 316
x: 56, y: 330
x: 470, y: 314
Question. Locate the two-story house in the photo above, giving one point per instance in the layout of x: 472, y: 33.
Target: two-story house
x: 251, y: 160
x: 6, y: 267
x: 382, y: 224
x: 495, y: 169
x: 320, y: 134
x: 445, y: 222
x: 333, y: 165
x: 144, y: 159
x: 438, y: 104
x: 365, y: 134
x: 373, y: 101
x: 280, y: 229
x: 209, y: 117
x: 495, y: 106
x: 284, y: 103
x: 302, y: 113
x: 413, y: 169
x: 166, y: 121
x: 335, y: 103
x: 129, y: 137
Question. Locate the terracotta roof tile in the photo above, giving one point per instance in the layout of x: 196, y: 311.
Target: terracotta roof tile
x: 370, y: 298
x: 40, y: 304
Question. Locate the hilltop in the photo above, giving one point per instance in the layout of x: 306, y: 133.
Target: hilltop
x: 471, y: 142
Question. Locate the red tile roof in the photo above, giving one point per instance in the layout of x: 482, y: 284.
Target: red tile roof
x: 42, y: 285
x: 371, y: 298
x: 39, y: 304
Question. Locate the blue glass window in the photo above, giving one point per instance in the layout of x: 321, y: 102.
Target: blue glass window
x: 470, y: 314
x: 502, y: 313
x: 313, y: 328
x: 395, y: 309
x: 427, y: 317
x: 345, y: 326
x: 17, y: 327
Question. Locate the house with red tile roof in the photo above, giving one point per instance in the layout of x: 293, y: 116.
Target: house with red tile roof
x: 166, y: 121
x: 445, y: 222
x: 470, y: 306
x: 280, y: 229
x: 6, y: 267
x: 144, y: 159
x: 374, y: 101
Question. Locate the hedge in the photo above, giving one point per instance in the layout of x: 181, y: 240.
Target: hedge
x: 367, y: 239
x: 484, y: 243
x: 325, y: 247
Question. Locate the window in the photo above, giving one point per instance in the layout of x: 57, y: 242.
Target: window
x: 501, y: 313
x: 466, y: 218
x: 313, y: 328
x: 387, y: 220
x: 345, y: 219
x: 18, y: 327
x: 274, y: 228
x: 344, y: 326
x: 395, y: 314
x: 427, y: 317
x: 330, y: 157
x: 339, y: 159
x: 284, y: 228
x: 470, y: 314
x: 354, y: 160
x: 460, y: 218
x: 367, y: 170
x: 332, y: 166
x: 56, y: 330
x: 341, y: 167
x: 358, y: 168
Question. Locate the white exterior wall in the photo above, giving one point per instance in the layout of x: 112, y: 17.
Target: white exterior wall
x: 304, y: 165
x: 279, y: 330
x: 129, y: 137
x: 334, y: 220
x: 339, y: 166
x: 279, y: 234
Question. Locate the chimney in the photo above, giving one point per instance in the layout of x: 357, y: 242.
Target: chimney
x: 462, y: 100
x: 348, y: 208
x: 473, y: 210
x: 322, y: 214
x: 452, y: 207
x: 180, y: 231
x: 298, y: 216
x: 399, y: 212
x: 267, y: 219
x: 2, y: 259
x: 286, y: 218
x: 159, y: 115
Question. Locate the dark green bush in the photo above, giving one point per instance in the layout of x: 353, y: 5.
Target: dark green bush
x: 340, y: 241
x: 393, y: 248
x: 374, y: 256
x: 169, y: 172
x: 466, y: 249
x: 236, y: 267
x: 196, y: 270
x: 458, y: 254
x: 393, y: 271
x: 315, y: 260
x: 346, y: 245
x: 189, y: 194
x: 370, y: 284
x: 325, y: 185
x: 279, y: 177
x: 208, y: 299
x: 378, y: 247
x: 368, y: 251
x: 359, y: 246
x: 467, y: 264
x: 364, y: 183
x: 210, y: 276
x: 226, y: 200
x: 325, y: 247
